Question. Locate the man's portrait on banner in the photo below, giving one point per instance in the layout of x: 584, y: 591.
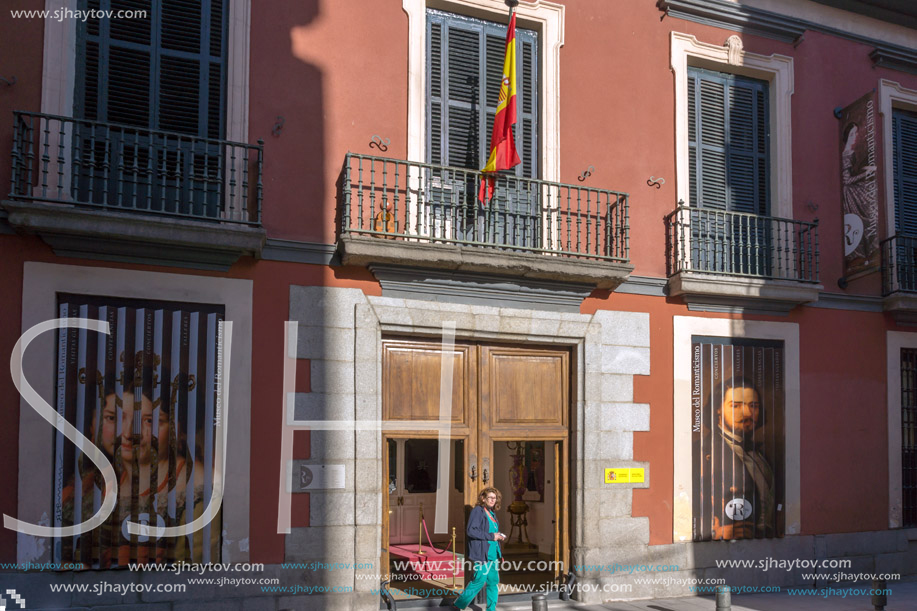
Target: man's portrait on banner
x: 738, y: 439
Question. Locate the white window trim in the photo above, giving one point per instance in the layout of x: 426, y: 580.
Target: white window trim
x: 891, y: 96
x: 41, y: 284
x: 59, y: 68
x: 776, y: 69
x: 546, y: 17
x: 682, y: 493
x: 895, y: 341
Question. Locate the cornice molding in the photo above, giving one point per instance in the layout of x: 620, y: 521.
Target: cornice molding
x: 751, y: 20
x: 293, y: 251
x: 895, y: 58
x: 737, y: 17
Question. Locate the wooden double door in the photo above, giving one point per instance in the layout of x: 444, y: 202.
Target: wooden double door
x: 508, y: 427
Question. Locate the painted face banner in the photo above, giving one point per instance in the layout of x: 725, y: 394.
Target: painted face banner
x: 145, y: 395
x: 737, y: 424
x: 859, y: 187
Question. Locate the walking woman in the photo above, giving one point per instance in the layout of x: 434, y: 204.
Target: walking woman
x: 483, y: 547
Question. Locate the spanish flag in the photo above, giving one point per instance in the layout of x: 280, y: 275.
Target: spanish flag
x: 503, y: 153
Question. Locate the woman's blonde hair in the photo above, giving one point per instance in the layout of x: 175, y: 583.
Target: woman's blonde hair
x: 484, y: 494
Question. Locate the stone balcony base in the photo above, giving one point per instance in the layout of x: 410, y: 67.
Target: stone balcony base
x: 365, y: 251
x: 135, y: 237
x: 713, y: 293
x: 903, y: 307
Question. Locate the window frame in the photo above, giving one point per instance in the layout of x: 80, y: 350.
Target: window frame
x: 730, y: 58
x: 59, y: 67
x: 449, y: 23
x: 546, y: 18
x: 894, y: 342
x: 158, y: 54
x: 728, y: 81
x: 70, y: 389
x: 892, y: 96
x: 898, y: 179
x: 686, y: 327
x: 41, y: 284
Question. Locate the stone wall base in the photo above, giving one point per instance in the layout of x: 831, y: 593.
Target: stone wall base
x: 754, y: 563
x: 628, y: 573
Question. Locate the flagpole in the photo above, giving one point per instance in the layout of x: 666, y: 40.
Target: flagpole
x: 512, y: 4
x: 503, y: 154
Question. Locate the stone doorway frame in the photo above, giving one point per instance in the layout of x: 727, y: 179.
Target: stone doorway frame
x: 343, y: 330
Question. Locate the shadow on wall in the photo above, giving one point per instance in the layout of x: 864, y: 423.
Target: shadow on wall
x: 288, y: 111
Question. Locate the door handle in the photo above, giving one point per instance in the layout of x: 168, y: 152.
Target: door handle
x: 474, y: 468
x: 486, y: 469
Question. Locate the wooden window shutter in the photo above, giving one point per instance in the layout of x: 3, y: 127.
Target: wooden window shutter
x: 904, y: 168
x: 166, y: 71
x: 728, y: 142
x: 464, y: 66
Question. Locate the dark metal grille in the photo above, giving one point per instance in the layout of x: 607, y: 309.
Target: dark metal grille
x: 145, y: 396
x: 740, y: 244
x: 908, y: 437
x: 899, y: 264
x: 131, y: 169
x: 404, y: 200
x: 737, y: 427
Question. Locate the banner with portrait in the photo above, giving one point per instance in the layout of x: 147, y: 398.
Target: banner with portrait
x: 859, y: 187
x: 737, y: 425
x: 145, y: 395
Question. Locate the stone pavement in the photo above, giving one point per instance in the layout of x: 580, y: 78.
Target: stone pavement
x: 903, y: 596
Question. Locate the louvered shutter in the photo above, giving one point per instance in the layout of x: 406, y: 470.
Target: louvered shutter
x: 464, y: 68
x: 162, y: 72
x: 904, y: 167
x: 728, y: 142
x: 728, y: 167
x: 165, y: 71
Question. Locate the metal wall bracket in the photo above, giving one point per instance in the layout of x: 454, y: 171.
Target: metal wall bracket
x: 586, y: 173
x: 380, y: 143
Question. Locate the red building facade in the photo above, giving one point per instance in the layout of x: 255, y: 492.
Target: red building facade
x: 692, y: 218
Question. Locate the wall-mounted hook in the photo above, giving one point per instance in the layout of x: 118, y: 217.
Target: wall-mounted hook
x: 652, y: 181
x: 586, y: 173
x: 9, y: 81
x: 380, y: 143
x: 278, y: 126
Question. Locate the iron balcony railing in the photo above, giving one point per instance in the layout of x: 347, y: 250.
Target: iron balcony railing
x: 737, y: 244
x: 124, y: 168
x: 405, y: 200
x: 899, y: 264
